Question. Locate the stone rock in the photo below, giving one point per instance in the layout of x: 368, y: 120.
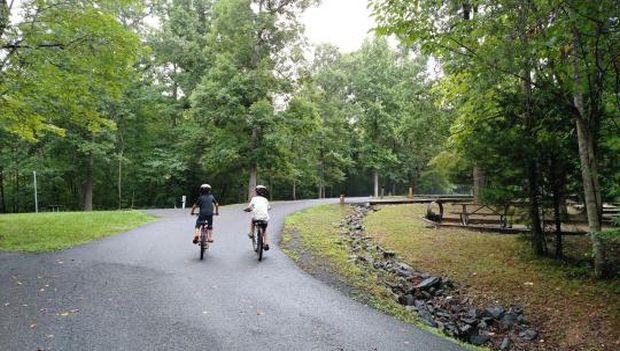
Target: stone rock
x: 473, y: 313
x: 427, y: 318
x: 428, y: 283
x: 479, y: 339
x: 407, y: 300
x: 528, y: 334
x: 466, y: 330
x: 505, y: 344
x: 468, y: 320
x: 389, y: 254
x: 403, y: 272
x: 508, y: 320
x: 496, y: 312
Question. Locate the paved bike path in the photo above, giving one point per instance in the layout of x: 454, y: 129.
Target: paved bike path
x: 147, y: 290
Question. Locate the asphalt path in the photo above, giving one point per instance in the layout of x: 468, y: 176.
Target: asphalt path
x: 148, y: 290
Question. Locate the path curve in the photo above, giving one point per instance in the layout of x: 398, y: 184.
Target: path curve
x: 147, y: 290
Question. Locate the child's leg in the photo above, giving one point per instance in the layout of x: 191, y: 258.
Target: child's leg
x: 196, y: 235
x: 251, y: 233
x: 210, y: 229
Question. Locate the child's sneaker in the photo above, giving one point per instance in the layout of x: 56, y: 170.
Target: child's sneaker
x: 195, y: 241
x: 251, y: 235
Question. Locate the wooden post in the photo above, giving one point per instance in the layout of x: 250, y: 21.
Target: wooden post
x: 342, y: 199
x: 410, y: 195
x: 36, y: 200
x: 382, y: 192
x: 376, y: 183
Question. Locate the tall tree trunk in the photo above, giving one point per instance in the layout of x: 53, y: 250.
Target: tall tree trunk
x: 538, y: 236
x: 16, y: 191
x: 376, y: 183
x: 587, y: 157
x: 253, y: 166
x: 479, y: 183
x: 252, y: 182
x: 271, y: 188
x: 558, y: 185
x: 557, y: 214
x: 2, y: 202
x: 294, y: 190
x: 120, y: 181
x: 87, y: 186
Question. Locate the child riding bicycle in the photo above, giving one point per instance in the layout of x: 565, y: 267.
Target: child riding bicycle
x: 259, y: 206
x: 205, y: 203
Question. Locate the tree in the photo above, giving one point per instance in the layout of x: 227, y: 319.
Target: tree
x: 249, y: 46
x: 536, y: 45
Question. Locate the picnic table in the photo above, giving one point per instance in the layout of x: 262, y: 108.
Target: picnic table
x: 469, y: 209
x: 54, y: 208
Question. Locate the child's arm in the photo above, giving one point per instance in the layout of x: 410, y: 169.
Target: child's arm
x: 192, y: 211
x: 250, y: 205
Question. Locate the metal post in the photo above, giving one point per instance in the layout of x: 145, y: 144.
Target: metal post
x: 36, y: 201
x: 183, y: 199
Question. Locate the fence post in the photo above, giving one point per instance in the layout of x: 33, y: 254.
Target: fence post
x: 36, y: 200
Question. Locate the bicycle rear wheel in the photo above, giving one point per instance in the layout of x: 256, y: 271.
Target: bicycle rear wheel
x: 203, y: 243
x: 259, y: 244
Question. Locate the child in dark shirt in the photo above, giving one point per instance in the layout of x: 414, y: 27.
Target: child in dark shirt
x: 206, y: 202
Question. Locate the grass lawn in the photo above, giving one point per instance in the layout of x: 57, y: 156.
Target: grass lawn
x: 41, y: 232
x: 312, y: 239
x: 573, y: 311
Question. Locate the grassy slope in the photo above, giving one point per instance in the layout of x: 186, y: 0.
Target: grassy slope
x: 312, y: 239
x: 43, y: 232
x: 575, y: 313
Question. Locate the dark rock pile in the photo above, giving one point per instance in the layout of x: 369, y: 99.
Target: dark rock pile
x: 435, y: 300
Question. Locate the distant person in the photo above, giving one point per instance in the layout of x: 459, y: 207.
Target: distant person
x: 259, y: 206
x: 206, y: 202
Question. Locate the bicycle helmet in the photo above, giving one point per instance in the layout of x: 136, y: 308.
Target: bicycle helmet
x: 261, y: 190
x: 205, y: 186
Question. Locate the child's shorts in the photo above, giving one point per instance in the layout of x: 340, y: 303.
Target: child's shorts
x: 263, y: 223
x: 202, y: 220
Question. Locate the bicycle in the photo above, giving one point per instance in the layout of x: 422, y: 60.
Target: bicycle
x: 258, y: 238
x: 203, y: 243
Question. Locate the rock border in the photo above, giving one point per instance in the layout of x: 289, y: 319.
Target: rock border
x: 435, y: 300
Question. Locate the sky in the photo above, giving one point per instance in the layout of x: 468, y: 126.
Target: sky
x: 344, y: 23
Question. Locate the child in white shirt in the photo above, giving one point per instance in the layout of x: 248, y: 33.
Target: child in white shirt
x: 259, y: 206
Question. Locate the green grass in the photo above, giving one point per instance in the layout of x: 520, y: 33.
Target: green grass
x: 573, y: 310
x: 44, y: 232
x: 312, y: 239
